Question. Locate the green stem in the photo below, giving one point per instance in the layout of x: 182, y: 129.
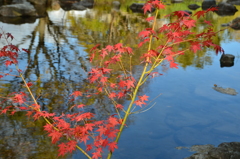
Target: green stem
x: 128, y: 112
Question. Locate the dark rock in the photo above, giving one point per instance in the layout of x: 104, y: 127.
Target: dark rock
x: 18, y: 1
x: 225, y: 24
x: 138, y: 8
x: 73, y: 5
x: 17, y: 20
x: 87, y: 3
x: 235, y: 24
x: 176, y: 1
x: 6, y: 2
x: 38, y: 2
x: 116, y: 5
x: 78, y: 6
x: 226, y: 9
x: 206, y: 4
x: 234, y: 2
x: 188, y: 13
x: 193, y: 6
x: 227, y: 60
x: 18, y: 10
x: 66, y: 5
x: 230, y: 150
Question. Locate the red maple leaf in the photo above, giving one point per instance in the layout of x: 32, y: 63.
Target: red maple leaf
x: 55, y: 136
x: 112, y: 95
x: 94, y: 48
x: 7, y: 63
x: 189, y: 23
x: 180, y: 13
x: 19, y: 98
x: 200, y: 13
x: 129, y: 84
x: 113, y: 121
x: 158, y: 4
x: 120, y: 95
x: 120, y: 106
x: 208, y: 22
x: 103, y: 53
x: 109, y: 48
x: 96, y: 155
x: 101, y: 130
x: 62, y: 149
x: 122, y: 84
x: 118, y: 46
x: 173, y: 65
x: 139, y: 103
x: 76, y: 94
x: 112, y: 85
x: 9, y: 35
x: 150, y: 18
x: 143, y: 98
x: 129, y: 50
x: 169, y: 58
x: 84, y: 138
x: 112, y: 146
x: 112, y: 133
x: 147, y: 7
x: 218, y: 49
x: 71, y: 146
x: 81, y: 105
x: 48, y: 128
x: 195, y: 46
x: 89, y: 147
x: 27, y: 51
x: 103, y: 79
x: 89, y: 126
x: 144, y: 33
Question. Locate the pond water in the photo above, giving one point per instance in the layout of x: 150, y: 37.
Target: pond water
x: 188, y: 111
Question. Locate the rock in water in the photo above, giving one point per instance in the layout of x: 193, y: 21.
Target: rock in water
x: 229, y: 91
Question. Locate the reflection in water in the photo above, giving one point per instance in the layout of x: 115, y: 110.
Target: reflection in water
x: 58, y: 64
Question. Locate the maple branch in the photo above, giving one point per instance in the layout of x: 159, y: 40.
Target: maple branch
x: 9, y: 74
x: 128, y: 112
x: 196, y: 38
x: 122, y: 67
x: 113, y: 101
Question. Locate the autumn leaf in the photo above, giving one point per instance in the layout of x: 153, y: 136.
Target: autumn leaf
x: 112, y: 95
x: 94, y: 48
x: 200, y: 13
x: 195, y: 46
x: 173, y: 65
x: 120, y: 106
x: 147, y: 7
x: 139, y: 103
x: 150, y: 18
x: 7, y: 63
x: 76, y: 94
x: 113, y: 121
x: 55, y: 136
x: 143, y: 98
x: 189, y: 23
x: 109, y: 48
x: 112, y: 146
x: 96, y: 155
x: 129, y: 84
x: 9, y: 35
